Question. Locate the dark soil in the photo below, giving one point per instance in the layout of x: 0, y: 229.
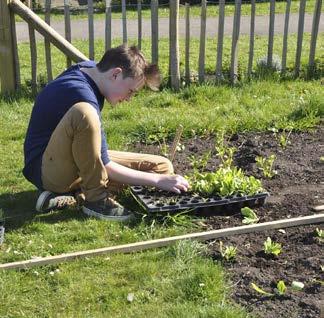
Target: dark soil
x: 298, y: 186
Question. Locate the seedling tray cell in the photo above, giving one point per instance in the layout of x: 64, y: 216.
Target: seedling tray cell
x: 159, y: 201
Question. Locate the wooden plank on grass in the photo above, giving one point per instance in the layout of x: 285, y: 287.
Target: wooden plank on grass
x: 67, y: 23
x: 91, y: 30
x: 285, y: 38
x: 108, y: 25
x: 220, y: 40
x: 139, y: 23
x: 155, y: 31
x: 144, y: 245
x: 300, y: 36
x: 202, y: 42
x: 124, y: 21
x: 33, y: 57
x: 235, y: 42
x: 316, y: 20
x: 47, y: 43
x: 174, y: 45
x: 271, y: 32
x: 187, y: 45
x: 251, y: 48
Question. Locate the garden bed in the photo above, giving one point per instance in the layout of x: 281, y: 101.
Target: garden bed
x: 297, y: 187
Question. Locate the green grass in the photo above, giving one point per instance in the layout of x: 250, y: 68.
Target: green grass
x: 171, y: 282
x: 195, y: 10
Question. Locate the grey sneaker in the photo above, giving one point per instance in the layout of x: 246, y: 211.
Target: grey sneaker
x: 48, y: 201
x: 107, y: 209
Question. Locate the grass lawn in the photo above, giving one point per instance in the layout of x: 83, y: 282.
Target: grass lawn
x: 179, y: 281
x: 262, y: 8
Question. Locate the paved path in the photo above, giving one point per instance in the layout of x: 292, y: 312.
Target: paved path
x: 79, y: 28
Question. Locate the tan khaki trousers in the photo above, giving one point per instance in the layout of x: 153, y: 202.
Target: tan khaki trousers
x: 72, y: 159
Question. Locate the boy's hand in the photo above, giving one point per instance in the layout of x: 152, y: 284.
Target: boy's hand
x: 173, y: 183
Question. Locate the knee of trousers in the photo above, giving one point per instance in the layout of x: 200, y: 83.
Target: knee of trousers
x: 85, y: 117
x: 165, y: 166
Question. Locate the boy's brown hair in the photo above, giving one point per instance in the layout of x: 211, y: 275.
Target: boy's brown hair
x: 132, y: 61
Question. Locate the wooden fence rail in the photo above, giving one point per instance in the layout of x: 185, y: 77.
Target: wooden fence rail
x: 9, y: 62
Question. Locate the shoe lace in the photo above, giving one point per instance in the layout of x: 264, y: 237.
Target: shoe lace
x: 65, y: 201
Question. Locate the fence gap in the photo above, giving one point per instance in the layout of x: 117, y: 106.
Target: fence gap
x: 33, y: 57
x: 91, y: 30
x: 139, y: 21
x: 174, y: 45
x: 316, y: 19
x: 202, y: 42
x: 235, y: 42
x: 285, y: 39
x: 67, y: 22
x: 155, y: 30
x: 47, y: 43
x: 124, y: 21
x: 300, y: 35
x: 108, y: 25
x: 251, y: 47
x: 187, y: 48
x: 220, y: 40
x: 271, y: 32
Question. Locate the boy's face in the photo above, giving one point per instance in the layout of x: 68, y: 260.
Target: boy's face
x: 122, y: 89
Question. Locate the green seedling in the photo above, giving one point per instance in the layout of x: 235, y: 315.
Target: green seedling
x: 199, y: 164
x: 266, y: 165
x: 271, y: 247
x: 281, y: 288
x: 284, y: 139
x: 249, y: 215
x: 260, y: 290
x: 224, y: 153
x: 319, y: 233
x: 228, y: 253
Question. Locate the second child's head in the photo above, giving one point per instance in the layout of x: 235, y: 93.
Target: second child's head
x: 126, y: 71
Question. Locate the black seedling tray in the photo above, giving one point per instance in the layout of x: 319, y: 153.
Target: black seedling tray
x: 160, y: 201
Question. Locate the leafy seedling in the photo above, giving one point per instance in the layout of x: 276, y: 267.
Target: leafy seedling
x: 271, y: 247
x: 228, y: 253
x: 319, y: 233
x: 260, y: 290
x: 281, y: 288
x: 284, y: 139
x: 266, y: 165
x: 249, y: 215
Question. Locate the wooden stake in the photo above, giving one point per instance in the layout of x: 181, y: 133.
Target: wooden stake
x: 140, y: 246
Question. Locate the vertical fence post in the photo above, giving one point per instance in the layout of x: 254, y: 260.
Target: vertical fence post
x: 91, y: 29
x: 235, y: 41
x: 108, y: 25
x: 251, y: 49
x: 285, y: 39
x: 139, y: 19
x: 202, y: 44
x: 316, y: 19
x: 33, y: 57
x: 67, y: 22
x: 8, y: 72
x: 47, y: 43
x: 271, y: 32
x: 155, y: 30
x: 187, y: 50
x: 300, y: 35
x: 174, y: 45
x: 220, y: 38
x: 124, y: 18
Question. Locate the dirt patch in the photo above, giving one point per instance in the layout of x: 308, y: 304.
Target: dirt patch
x: 298, y: 186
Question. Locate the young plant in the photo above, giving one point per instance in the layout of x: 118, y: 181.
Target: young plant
x: 266, y: 165
x: 224, y: 153
x: 281, y: 288
x: 319, y: 233
x: 260, y: 290
x: 228, y: 253
x: 271, y: 247
x: 199, y: 164
x: 249, y: 215
x: 284, y: 139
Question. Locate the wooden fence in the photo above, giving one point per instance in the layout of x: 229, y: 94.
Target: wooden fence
x: 9, y: 61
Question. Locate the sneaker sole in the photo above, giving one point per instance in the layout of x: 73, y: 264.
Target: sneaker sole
x: 106, y: 217
x: 41, y: 199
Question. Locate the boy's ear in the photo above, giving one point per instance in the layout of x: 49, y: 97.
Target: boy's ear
x: 115, y: 72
